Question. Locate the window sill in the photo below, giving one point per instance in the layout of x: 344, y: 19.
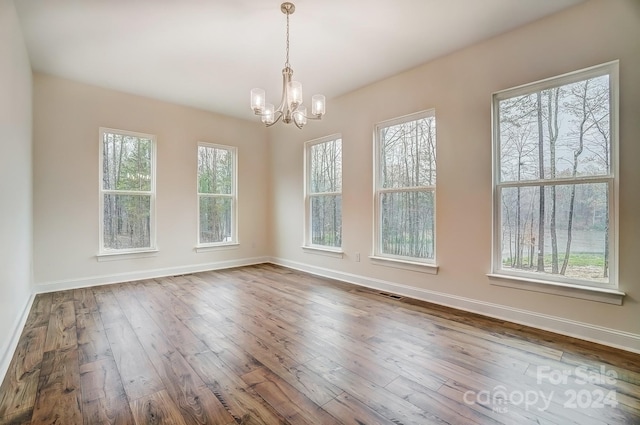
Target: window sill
x: 604, y: 295
x: 415, y: 266
x: 328, y: 252
x: 126, y: 255
x: 217, y: 247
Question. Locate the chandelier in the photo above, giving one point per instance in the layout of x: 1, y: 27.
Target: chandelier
x: 290, y: 108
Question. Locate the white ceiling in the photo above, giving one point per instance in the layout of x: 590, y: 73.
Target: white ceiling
x: 210, y: 53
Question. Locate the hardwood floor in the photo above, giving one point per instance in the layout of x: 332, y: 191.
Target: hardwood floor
x: 268, y: 345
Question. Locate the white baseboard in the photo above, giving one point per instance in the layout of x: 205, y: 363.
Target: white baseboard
x: 63, y: 285
x: 611, y: 337
x: 7, y: 350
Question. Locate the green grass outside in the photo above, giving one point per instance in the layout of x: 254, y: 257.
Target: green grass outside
x: 576, y: 259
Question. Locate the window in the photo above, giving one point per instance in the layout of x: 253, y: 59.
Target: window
x: 127, y: 191
x: 216, y: 195
x: 324, y: 192
x: 405, y: 184
x: 555, y: 146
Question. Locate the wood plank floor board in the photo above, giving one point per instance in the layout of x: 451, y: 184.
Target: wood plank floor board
x: 265, y: 345
x: 241, y: 401
x: 100, y: 379
x: 158, y: 409
x: 456, y: 392
x: 194, y: 400
x: 237, y: 359
x: 353, y: 412
x: 18, y: 391
x: 305, y: 337
x: 138, y: 375
x: 379, y: 399
x: 91, y: 338
x: 61, y: 331
x: 40, y: 311
x: 471, y: 324
x: 107, y: 411
x: 453, y: 412
x: 84, y: 299
x: 111, y: 313
x: 19, y: 418
x: 59, y: 395
x: 289, y: 402
x: 179, y: 335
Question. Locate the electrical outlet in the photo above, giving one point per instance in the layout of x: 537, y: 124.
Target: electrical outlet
x: 357, y: 257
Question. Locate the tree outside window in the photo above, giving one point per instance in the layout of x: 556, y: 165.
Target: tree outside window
x: 324, y: 192
x: 216, y: 194
x: 405, y: 187
x: 555, y: 177
x: 127, y: 164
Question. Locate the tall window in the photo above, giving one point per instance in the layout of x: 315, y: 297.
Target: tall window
x: 324, y: 192
x: 405, y: 188
x: 216, y: 194
x: 127, y: 191
x: 555, y: 171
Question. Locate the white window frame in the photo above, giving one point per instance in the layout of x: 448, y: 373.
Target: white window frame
x: 307, y: 244
x: 204, y: 247
x: 106, y: 254
x: 378, y: 257
x: 557, y: 284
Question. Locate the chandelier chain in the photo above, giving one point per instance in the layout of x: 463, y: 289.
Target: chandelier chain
x: 286, y: 63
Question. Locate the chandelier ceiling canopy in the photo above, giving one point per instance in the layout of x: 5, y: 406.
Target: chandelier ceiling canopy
x: 291, y: 109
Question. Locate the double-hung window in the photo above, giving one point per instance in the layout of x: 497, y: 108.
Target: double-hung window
x: 555, y: 179
x: 323, y: 174
x: 127, y: 191
x: 405, y: 184
x: 217, y: 195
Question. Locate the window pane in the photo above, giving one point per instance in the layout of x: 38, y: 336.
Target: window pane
x: 127, y: 222
x: 408, y: 154
x: 556, y: 133
x: 574, y: 241
x: 326, y: 220
x: 215, y: 219
x: 407, y: 224
x: 126, y: 162
x: 215, y: 170
x: 326, y: 167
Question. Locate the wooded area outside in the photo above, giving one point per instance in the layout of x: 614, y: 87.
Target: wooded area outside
x: 216, y: 188
x: 127, y: 190
x: 556, y: 180
x: 406, y: 188
x: 325, y: 192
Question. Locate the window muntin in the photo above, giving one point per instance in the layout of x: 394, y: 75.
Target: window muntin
x: 216, y: 195
x: 324, y: 192
x: 556, y: 144
x: 405, y: 188
x: 127, y: 191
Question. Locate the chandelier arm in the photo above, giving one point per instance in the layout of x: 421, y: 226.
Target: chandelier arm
x: 279, y: 114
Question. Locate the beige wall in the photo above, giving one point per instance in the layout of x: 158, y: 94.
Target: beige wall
x: 67, y: 117
x: 459, y: 87
x: 15, y: 180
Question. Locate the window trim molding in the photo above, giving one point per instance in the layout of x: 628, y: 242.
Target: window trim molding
x: 584, y: 292
x: 561, y: 285
x: 306, y: 222
x: 401, y: 263
x: 323, y: 250
x: 108, y: 254
x: 390, y: 260
x: 233, y: 243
